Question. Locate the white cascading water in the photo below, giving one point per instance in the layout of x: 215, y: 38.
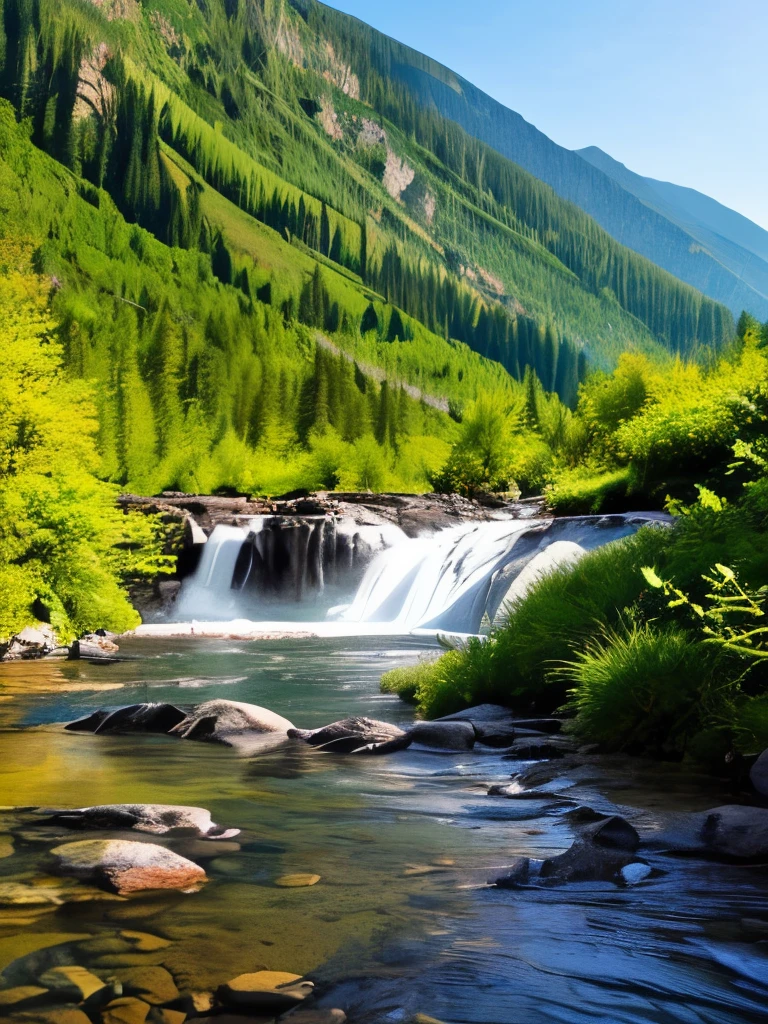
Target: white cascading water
x: 211, y: 593
x: 459, y: 580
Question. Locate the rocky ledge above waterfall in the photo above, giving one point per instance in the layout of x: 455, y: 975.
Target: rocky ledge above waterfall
x: 413, y: 513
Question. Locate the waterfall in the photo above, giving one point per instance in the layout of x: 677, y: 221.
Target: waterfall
x: 300, y: 564
x: 458, y: 580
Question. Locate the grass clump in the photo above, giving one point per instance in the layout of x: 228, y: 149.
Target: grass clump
x: 638, y: 687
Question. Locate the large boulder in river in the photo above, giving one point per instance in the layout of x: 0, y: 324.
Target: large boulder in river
x: 150, y: 718
x: 125, y: 867
x: 731, y: 832
x: 223, y: 721
x: 155, y: 819
x: 758, y: 774
x: 444, y: 735
x: 355, y: 736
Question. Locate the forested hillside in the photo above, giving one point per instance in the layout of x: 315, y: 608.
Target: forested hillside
x: 276, y: 267
x: 645, y: 228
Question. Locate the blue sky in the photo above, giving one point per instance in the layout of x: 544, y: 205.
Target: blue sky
x: 675, y: 89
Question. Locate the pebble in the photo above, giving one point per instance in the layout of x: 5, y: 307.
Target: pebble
x: 6, y: 847
x: 296, y: 881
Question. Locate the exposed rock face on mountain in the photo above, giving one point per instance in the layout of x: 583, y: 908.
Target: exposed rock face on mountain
x: 656, y: 230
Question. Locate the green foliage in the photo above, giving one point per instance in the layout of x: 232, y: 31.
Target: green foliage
x: 640, y: 688
x: 732, y: 617
x: 649, y: 431
x: 64, y: 548
x: 589, y: 490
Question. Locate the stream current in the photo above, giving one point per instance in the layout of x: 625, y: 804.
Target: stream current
x: 402, y: 920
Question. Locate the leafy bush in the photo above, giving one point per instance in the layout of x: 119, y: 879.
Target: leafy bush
x: 584, y: 491
x: 65, y: 549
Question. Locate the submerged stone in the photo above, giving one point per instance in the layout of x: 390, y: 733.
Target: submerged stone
x: 126, y: 1010
x: 75, y: 983
x: 139, y: 718
x: 156, y: 819
x: 221, y: 720
x: 22, y: 996
x: 127, y: 866
x: 155, y: 985
x: 444, y: 735
x: 355, y: 736
x: 296, y: 881
x: 266, y: 990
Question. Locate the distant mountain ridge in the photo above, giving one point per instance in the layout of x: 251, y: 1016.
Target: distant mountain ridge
x: 734, y: 240
x: 716, y: 268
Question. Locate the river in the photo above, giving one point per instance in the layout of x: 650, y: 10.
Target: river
x: 402, y: 920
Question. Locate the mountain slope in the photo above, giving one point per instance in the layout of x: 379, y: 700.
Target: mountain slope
x: 734, y: 241
x: 289, y: 259
x: 620, y: 213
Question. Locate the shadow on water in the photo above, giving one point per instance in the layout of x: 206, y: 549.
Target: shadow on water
x: 401, y: 920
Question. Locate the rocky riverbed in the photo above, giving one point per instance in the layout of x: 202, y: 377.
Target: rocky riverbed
x: 239, y: 831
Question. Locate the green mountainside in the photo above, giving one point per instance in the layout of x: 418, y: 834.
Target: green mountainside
x: 259, y: 245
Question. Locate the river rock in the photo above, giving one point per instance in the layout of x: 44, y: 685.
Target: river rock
x: 586, y: 861
x: 444, y: 735
x: 141, y: 718
x: 74, y: 983
x: 549, y: 726
x: 614, y: 833
x: 480, y: 713
x: 154, y: 985
x: 126, y: 1010
x: 514, y: 791
x: 732, y: 832
x: 498, y: 735
x: 758, y: 774
x: 266, y: 990
x: 21, y: 997
x: 516, y: 874
x: 548, y: 748
x: 221, y: 721
x: 156, y: 819
x: 297, y: 881
x: 94, y: 647
x: 125, y: 866
x: 53, y: 1015
x: 355, y: 736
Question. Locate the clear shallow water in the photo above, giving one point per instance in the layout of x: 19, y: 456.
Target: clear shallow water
x: 389, y: 930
